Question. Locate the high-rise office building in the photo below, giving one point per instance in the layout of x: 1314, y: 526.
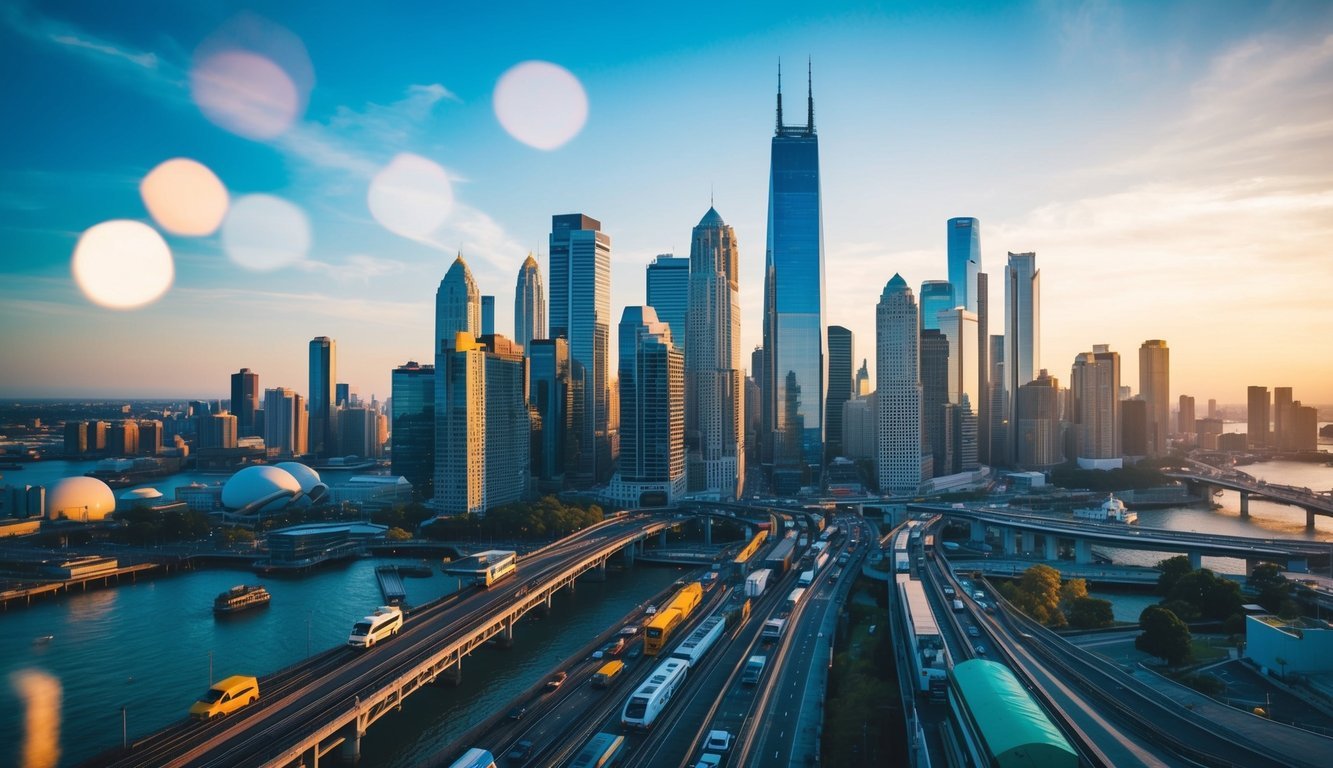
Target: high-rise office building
x: 245, y: 401
x: 122, y: 438
x: 651, y: 470
x: 460, y: 428
x: 667, y: 280
x: 529, y: 304
x: 358, y: 432
x: 841, y: 353
x: 1212, y: 408
x: 1185, y: 419
x: 581, y: 313
x: 1301, y: 428
x: 863, y: 379
x: 552, y: 395
x: 964, y: 260
x: 1154, y: 387
x: 150, y: 437
x: 1282, y: 403
x: 935, y: 415
x: 1094, y: 395
x: 76, y: 438
x: 460, y: 376
x: 323, y: 438
x: 1022, y: 329
x: 999, y: 403
x: 412, y: 446
x: 983, y: 369
x: 936, y: 296
x: 1134, y: 427
x: 508, y: 423
x: 487, y: 315
x: 793, y: 381
x: 959, y: 326
x: 1039, y: 438
x: 859, y: 435
x: 218, y: 430
x: 899, y: 461
x: 714, y: 380
x: 285, y: 422
x: 1258, y: 417
x: 342, y: 394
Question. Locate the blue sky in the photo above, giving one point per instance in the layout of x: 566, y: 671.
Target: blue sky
x: 1170, y: 163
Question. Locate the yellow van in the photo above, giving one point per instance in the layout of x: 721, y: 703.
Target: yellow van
x: 226, y: 697
x: 609, y: 671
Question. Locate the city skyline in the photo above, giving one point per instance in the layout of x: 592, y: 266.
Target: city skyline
x: 1149, y: 174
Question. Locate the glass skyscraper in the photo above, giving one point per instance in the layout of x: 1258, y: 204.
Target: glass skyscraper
x: 668, y: 292
x: 841, y: 352
x: 936, y: 296
x: 964, y: 261
x: 581, y: 313
x: 793, y: 381
x: 323, y: 439
x: 529, y: 304
x: 413, y: 420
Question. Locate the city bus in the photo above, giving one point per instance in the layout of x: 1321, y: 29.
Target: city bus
x: 499, y: 565
x: 659, y: 630
x: 383, y: 623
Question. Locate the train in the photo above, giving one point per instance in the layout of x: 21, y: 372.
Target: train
x: 1002, y: 724
x: 700, y: 640
x: 663, y: 624
x: 474, y: 758
x: 601, y: 750
x: 498, y: 565
x: 751, y: 548
x: 930, y: 656
x: 649, y: 699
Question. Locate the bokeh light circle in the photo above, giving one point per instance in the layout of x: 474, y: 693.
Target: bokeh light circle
x: 184, y: 197
x: 411, y: 196
x: 122, y: 264
x: 541, y: 104
x: 263, y: 233
x: 245, y: 93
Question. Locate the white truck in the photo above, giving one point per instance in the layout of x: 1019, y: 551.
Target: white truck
x: 807, y: 577
x: 757, y: 582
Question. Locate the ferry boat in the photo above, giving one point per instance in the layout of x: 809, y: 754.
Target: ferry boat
x: 240, y: 598
x: 1112, y: 510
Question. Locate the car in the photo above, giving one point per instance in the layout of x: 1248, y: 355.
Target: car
x: 634, y: 652
x: 708, y: 760
x: 521, y: 751
x: 972, y: 631
x: 517, y: 713
x: 629, y: 630
x: 650, y: 610
x: 980, y: 649
x: 718, y: 741
x: 557, y: 680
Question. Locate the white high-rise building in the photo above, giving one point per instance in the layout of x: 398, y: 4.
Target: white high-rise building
x: 1154, y: 386
x: 1022, y: 330
x: 898, y: 392
x: 529, y: 305
x: 714, y: 381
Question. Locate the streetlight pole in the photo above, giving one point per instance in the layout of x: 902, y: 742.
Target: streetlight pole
x: 124, y: 730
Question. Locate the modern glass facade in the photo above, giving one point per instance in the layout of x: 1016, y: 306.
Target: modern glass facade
x: 936, y: 296
x: 581, y: 313
x: 529, y: 304
x: 487, y: 315
x: 1022, y: 330
x: 841, y: 352
x: 898, y: 455
x: 668, y: 291
x: 793, y: 386
x: 964, y: 260
x: 245, y: 401
x: 323, y: 439
x: 412, y: 440
x: 652, y: 412
x: 550, y: 393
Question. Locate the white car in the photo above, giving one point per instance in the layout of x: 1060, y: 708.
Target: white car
x: 718, y: 741
x: 708, y: 760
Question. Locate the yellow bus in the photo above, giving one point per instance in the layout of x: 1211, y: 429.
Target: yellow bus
x: 608, y: 672
x: 658, y: 632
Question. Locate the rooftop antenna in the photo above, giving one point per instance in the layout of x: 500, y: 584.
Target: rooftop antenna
x: 810, y: 90
x: 779, y: 94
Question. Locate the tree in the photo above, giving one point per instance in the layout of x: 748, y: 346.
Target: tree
x: 1037, y: 594
x: 1090, y: 613
x: 1211, y: 595
x: 1172, y: 569
x: 1072, y: 590
x: 397, y: 534
x: 1272, y: 587
x: 1164, y: 635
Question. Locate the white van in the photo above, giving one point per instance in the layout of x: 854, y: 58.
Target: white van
x: 384, y: 622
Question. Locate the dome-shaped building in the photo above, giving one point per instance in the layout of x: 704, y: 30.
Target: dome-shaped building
x: 85, y: 499
x: 139, y: 497
x: 307, y: 477
x: 260, y: 489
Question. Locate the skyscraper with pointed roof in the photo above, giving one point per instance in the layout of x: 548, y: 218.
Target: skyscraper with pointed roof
x: 459, y: 394
x: 529, y: 304
x: 898, y: 446
x: 714, y: 382
x: 793, y: 376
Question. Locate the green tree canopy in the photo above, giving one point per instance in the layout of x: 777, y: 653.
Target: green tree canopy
x: 1037, y: 593
x: 1090, y: 613
x: 1273, y: 588
x: 1172, y: 569
x: 1164, y: 635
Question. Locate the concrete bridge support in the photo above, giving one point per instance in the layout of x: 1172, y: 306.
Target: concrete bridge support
x: 978, y: 531
x: 1196, y: 560
x: 662, y: 539
x: 506, y: 637
x: 350, y: 751
x: 1051, y: 545
x: 629, y: 551
x: 1244, y: 503
x: 1082, y: 551
x: 1309, y: 519
x: 599, y: 573
x: 1008, y: 540
x: 708, y: 529
x: 1029, y: 542
x: 453, y: 674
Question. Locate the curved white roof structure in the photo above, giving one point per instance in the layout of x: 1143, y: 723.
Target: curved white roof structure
x: 254, y: 484
x: 85, y: 499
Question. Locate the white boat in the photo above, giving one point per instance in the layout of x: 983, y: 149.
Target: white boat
x: 1112, y: 510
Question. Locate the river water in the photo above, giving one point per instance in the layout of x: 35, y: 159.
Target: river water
x: 148, y: 647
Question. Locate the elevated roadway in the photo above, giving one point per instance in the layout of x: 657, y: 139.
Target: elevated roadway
x: 1295, y: 553
x: 303, y: 721
x: 1313, y: 502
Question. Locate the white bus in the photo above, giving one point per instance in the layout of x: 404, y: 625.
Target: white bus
x: 384, y: 622
x: 648, y: 701
x: 700, y: 640
x: 498, y: 565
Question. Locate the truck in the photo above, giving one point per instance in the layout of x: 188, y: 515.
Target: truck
x: 958, y: 606
x: 753, y: 669
x: 807, y: 578
x: 902, y: 562
x: 821, y: 560
x: 757, y: 582
x: 773, y: 629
